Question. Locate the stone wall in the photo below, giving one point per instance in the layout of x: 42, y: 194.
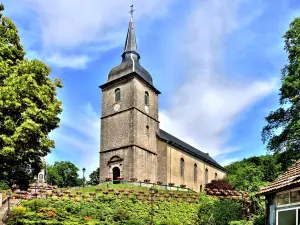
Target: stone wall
x: 130, y: 132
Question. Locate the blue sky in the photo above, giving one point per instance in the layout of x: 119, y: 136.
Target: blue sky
x: 216, y: 62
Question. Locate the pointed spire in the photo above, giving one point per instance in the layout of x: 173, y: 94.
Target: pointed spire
x: 130, y: 43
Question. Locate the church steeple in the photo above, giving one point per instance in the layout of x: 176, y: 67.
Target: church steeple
x: 130, y: 63
x: 130, y: 48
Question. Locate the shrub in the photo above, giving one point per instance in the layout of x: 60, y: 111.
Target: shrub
x: 16, y: 214
x: 228, y: 210
x: 259, y: 220
x: 206, y: 209
x: 219, y: 184
x: 3, y: 185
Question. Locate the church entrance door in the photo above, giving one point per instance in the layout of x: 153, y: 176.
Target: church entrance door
x: 116, y: 174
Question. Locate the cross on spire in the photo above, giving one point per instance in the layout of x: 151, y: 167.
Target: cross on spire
x: 131, y: 10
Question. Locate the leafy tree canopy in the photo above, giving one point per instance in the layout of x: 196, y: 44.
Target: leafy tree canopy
x: 287, y: 118
x: 253, y: 173
x: 94, y: 177
x: 63, y: 174
x: 29, y: 108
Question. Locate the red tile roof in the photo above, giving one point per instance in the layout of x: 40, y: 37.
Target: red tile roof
x: 290, y: 178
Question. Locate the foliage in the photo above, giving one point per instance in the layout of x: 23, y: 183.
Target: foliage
x: 206, y: 209
x: 227, y: 211
x: 116, y: 211
x: 16, y: 214
x: 259, y: 220
x: 94, y: 177
x: 253, y: 173
x: 29, y: 109
x: 4, y: 185
x: 219, y: 184
x: 240, y: 222
x: 287, y: 118
x: 245, y: 176
x: 63, y: 174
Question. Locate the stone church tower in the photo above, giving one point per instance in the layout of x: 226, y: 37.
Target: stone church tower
x: 129, y: 119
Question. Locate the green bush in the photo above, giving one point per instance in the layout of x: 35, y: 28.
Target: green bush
x: 227, y: 211
x: 3, y: 185
x: 259, y: 220
x: 240, y: 222
x: 206, y: 209
x: 16, y: 214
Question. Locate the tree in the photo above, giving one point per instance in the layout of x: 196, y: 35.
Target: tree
x: 52, y: 176
x: 63, y: 174
x: 29, y: 108
x: 94, y: 177
x: 245, y: 176
x: 287, y: 118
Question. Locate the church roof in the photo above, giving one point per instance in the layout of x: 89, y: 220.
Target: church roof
x: 130, y: 59
x: 188, y: 148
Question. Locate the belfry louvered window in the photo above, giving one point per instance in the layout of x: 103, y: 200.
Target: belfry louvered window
x: 146, y: 98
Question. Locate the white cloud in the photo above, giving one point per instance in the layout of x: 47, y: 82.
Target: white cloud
x: 78, y: 135
x: 206, y: 106
x: 70, y: 23
x: 68, y: 61
x: 87, y: 27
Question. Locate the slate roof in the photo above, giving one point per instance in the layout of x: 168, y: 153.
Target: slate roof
x: 127, y: 67
x: 130, y: 60
x: 188, y: 149
x: 290, y: 179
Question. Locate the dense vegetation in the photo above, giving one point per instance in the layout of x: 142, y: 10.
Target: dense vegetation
x: 29, y: 109
x: 63, y: 174
x: 94, y: 177
x: 255, y: 172
x: 131, y: 205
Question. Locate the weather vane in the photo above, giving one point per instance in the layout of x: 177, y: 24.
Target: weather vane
x: 131, y: 10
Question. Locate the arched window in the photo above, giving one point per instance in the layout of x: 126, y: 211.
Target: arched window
x: 146, y: 99
x: 117, y: 95
x: 216, y: 176
x: 181, y: 167
x: 206, y: 176
x: 195, y: 172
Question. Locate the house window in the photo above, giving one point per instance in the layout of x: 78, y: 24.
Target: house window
x: 201, y: 188
x: 195, y: 172
x: 288, y: 197
x: 216, y: 176
x: 295, y: 196
x: 181, y: 167
x: 117, y: 95
x: 146, y: 99
x: 206, y: 176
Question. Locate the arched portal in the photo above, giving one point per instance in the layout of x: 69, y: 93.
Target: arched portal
x: 116, y: 174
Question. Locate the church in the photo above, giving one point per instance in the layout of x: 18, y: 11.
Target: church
x: 132, y: 144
